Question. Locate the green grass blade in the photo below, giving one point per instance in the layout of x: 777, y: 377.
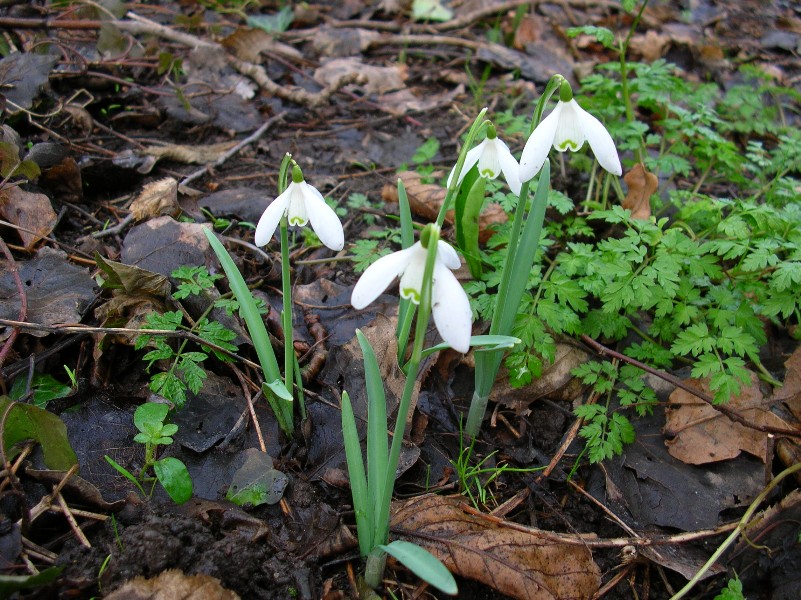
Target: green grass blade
x: 377, y: 436
x: 358, y: 480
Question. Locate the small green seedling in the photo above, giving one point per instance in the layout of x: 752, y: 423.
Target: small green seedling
x: 170, y: 472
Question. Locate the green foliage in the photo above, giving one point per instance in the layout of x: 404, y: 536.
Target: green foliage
x: 171, y: 473
x: 26, y: 422
x: 602, y: 35
x: 696, y: 287
x: 185, y: 371
x: 732, y: 591
x: 365, y: 252
x: 193, y: 281
x: 426, y: 151
x: 44, y: 388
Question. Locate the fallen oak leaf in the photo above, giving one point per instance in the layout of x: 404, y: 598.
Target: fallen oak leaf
x: 528, y: 564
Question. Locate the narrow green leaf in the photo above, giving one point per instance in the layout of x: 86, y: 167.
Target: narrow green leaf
x: 377, y: 436
x: 467, y: 224
x: 248, y: 308
x: 125, y: 473
x: 358, y: 479
x: 482, y: 343
x: 423, y: 564
x: 250, y: 312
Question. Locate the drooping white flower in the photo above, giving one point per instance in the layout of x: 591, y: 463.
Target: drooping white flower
x: 567, y: 128
x: 493, y: 158
x: 301, y: 203
x: 449, y: 303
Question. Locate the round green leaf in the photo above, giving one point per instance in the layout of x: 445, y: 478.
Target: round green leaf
x: 172, y: 474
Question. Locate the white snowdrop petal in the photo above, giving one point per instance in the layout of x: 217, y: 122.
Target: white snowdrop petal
x: 601, y: 143
x: 569, y: 134
x: 451, y: 309
x: 539, y: 144
x: 411, y: 281
x: 297, y: 212
x: 509, y: 167
x: 377, y: 277
x: 270, y: 218
x: 489, y: 165
x: 324, y: 220
x: 447, y: 255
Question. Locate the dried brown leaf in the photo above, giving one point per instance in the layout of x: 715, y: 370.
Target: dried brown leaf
x: 642, y: 185
x: 425, y: 200
x: 700, y: 434
x: 30, y: 211
x: 157, y: 198
x: 651, y: 45
x: 790, y: 392
x: 248, y: 43
x: 197, y: 155
x: 376, y: 80
x: 524, y: 563
x: 173, y: 585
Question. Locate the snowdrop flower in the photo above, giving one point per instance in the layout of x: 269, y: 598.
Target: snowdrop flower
x: 567, y: 127
x: 493, y: 158
x: 301, y: 203
x: 450, y: 305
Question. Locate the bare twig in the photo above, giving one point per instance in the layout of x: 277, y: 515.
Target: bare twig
x: 114, y: 230
x: 71, y: 520
x: 245, y: 390
x: 246, y: 142
x: 186, y: 335
x: 721, y: 408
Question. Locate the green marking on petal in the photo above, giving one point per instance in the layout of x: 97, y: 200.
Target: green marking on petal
x: 487, y: 173
x: 568, y: 145
x: 297, y: 221
x: 411, y: 294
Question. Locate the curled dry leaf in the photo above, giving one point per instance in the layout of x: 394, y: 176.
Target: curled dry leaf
x: 376, y: 80
x: 31, y: 212
x: 196, y: 155
x: 700, y: 434
x: 642, y: 185
x: 157, y: 198
x: 524, y: 563
x: 425, y: 200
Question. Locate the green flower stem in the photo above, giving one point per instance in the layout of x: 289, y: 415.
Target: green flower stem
x: 375, y: 562
x: 624, y: 77
x: 457, y: 170
x: 286, y: 314
x: 506, y: 303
